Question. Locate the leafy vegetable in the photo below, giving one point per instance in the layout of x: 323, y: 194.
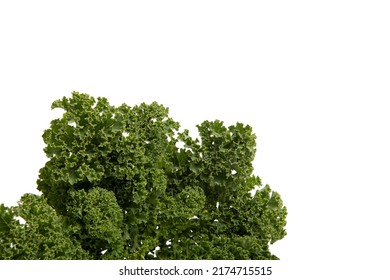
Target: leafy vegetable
x: 116, y: 186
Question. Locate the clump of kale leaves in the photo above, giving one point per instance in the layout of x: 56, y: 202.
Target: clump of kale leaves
x: 124, y: 183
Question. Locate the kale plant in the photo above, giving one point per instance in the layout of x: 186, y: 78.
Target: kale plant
x: 125, y: 183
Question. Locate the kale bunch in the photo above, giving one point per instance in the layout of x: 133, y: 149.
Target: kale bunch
x: 125, y: 183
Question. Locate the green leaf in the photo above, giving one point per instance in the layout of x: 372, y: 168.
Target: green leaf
x: 6, y: 218
x: 194, y: 168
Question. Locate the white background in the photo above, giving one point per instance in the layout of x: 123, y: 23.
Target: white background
x: 310, y: 77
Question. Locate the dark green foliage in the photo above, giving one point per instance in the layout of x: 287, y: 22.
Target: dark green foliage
x: 44, y: 234
x: 116, y: 186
